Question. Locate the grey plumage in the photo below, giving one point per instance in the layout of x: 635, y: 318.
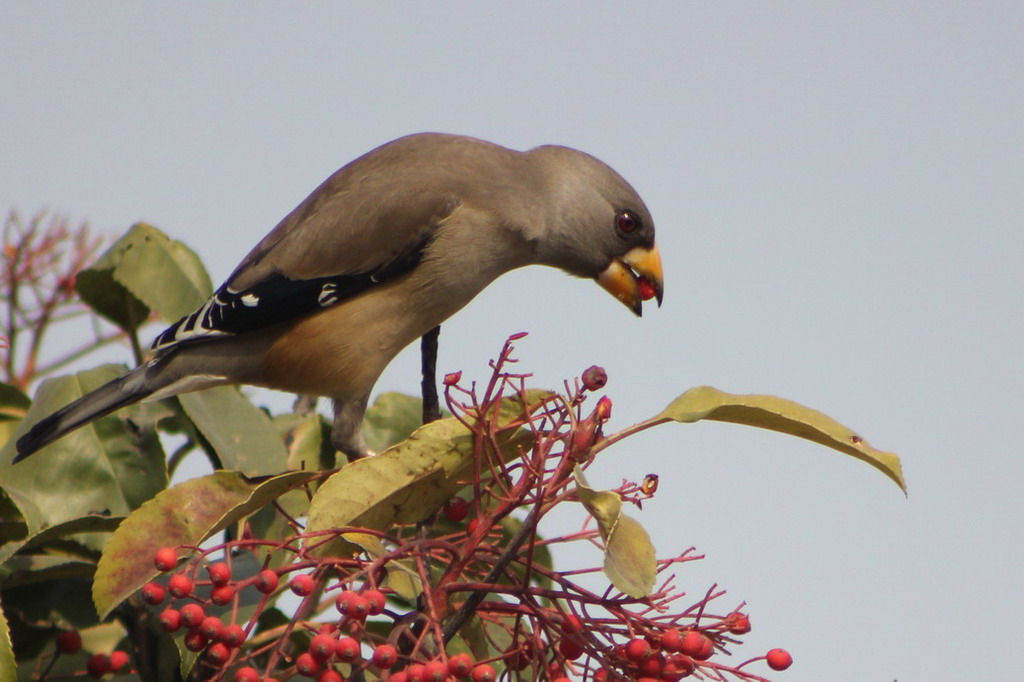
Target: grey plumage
x: 385, y: 249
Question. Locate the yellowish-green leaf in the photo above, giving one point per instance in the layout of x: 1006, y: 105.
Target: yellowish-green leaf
x: 8, y: 668
x: 409, y: 481
x: 402, y: 576
x: 629, y: 557
x: 186, y: 514
x: 784, y: 416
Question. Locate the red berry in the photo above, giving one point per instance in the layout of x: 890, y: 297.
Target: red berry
x: 165, y: 559
x: 98, y: 665
x: 69, y: 642
x: 738, y: 623
x: 677, y: 667
x: 322, y: 647
x: 779, y: 659
x: 266, y: 581
x: 646, y: 288
x: 384, y: 656
x: 455, y: 509
x: 233, y: 636
x: 653, y: 664
x: 435, y: 671
x: 695, y: 645
x: 638, y: 649
x: 571, y: 624
x: 222, y: 594
x: 483, y: 673
x: 192, y: 616
x: 211, y: 627
x: 377, y: 601
x: 219, y: 572
x: 302, y: 584
x: 330, y: 675
x: 194, y: 641
x: 247, y: 674
x: 672, y: 640
x: 346, y: 649
x: 570, y: 648
x: 118, y: 660
x: 353, y: 605
x: 179, y: 585
x: 153, y: 593
x: 601, y: 675
x: 170, y: 620
x: 460, y: 665
x: 415, y: 672
x: 400, y: 676
x: 306, y: 665
x: 594, y: 378
x: 218, y: 654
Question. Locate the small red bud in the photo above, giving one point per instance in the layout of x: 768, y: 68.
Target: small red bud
x: 302, y: 584
x: 165, y: 559
x: 452, y: 378
x: 604, y: 408
x: 179, y: 585
x: 347, y: 649
x: 266, y: 581
x: 69, y: 642
x: 192, y: 615
x: 219, y: 572
x: 153, y: 593
x: 455, y: 509
x: 646, y: 288
x: 222, y: 594
x: 738, y: 623
x: 779, y: 659
x: 594, y: 378
x: 118, y: 660
x: 306, y: 665
x: 377, y: 601
x: 170, y: 620
x: 98, y: 665
x: 385, y: 656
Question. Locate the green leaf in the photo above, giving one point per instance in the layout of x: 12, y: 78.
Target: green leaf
x: 142, y: 271
x: 186, y: 514
x: 390, y: 420
x: 409, y: 481
x: 629, y: 556
x: 105, y: 468
x: 242, y: 435
x: 784, y: 416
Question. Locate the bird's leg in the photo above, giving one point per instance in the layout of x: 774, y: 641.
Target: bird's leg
x: 345, y: 433
x: 428, y: 386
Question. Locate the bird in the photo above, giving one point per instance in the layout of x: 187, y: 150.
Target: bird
x: 384, y: 250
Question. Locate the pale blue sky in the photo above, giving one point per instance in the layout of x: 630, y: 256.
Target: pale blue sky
x: 839, y: 194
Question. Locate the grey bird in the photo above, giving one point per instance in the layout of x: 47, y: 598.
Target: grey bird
x: 387, y: 248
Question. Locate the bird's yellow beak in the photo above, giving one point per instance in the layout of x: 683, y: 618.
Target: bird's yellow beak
x: 634, y: 278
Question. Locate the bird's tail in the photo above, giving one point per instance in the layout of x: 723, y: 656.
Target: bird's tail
x: 129, y: 388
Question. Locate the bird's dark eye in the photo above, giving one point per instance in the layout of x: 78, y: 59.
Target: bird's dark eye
x: 627, y: 223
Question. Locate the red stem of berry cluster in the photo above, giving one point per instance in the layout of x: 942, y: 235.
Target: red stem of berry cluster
x: 528, y: 613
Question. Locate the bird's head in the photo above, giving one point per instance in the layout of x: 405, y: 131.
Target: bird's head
x: 599, y: 227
